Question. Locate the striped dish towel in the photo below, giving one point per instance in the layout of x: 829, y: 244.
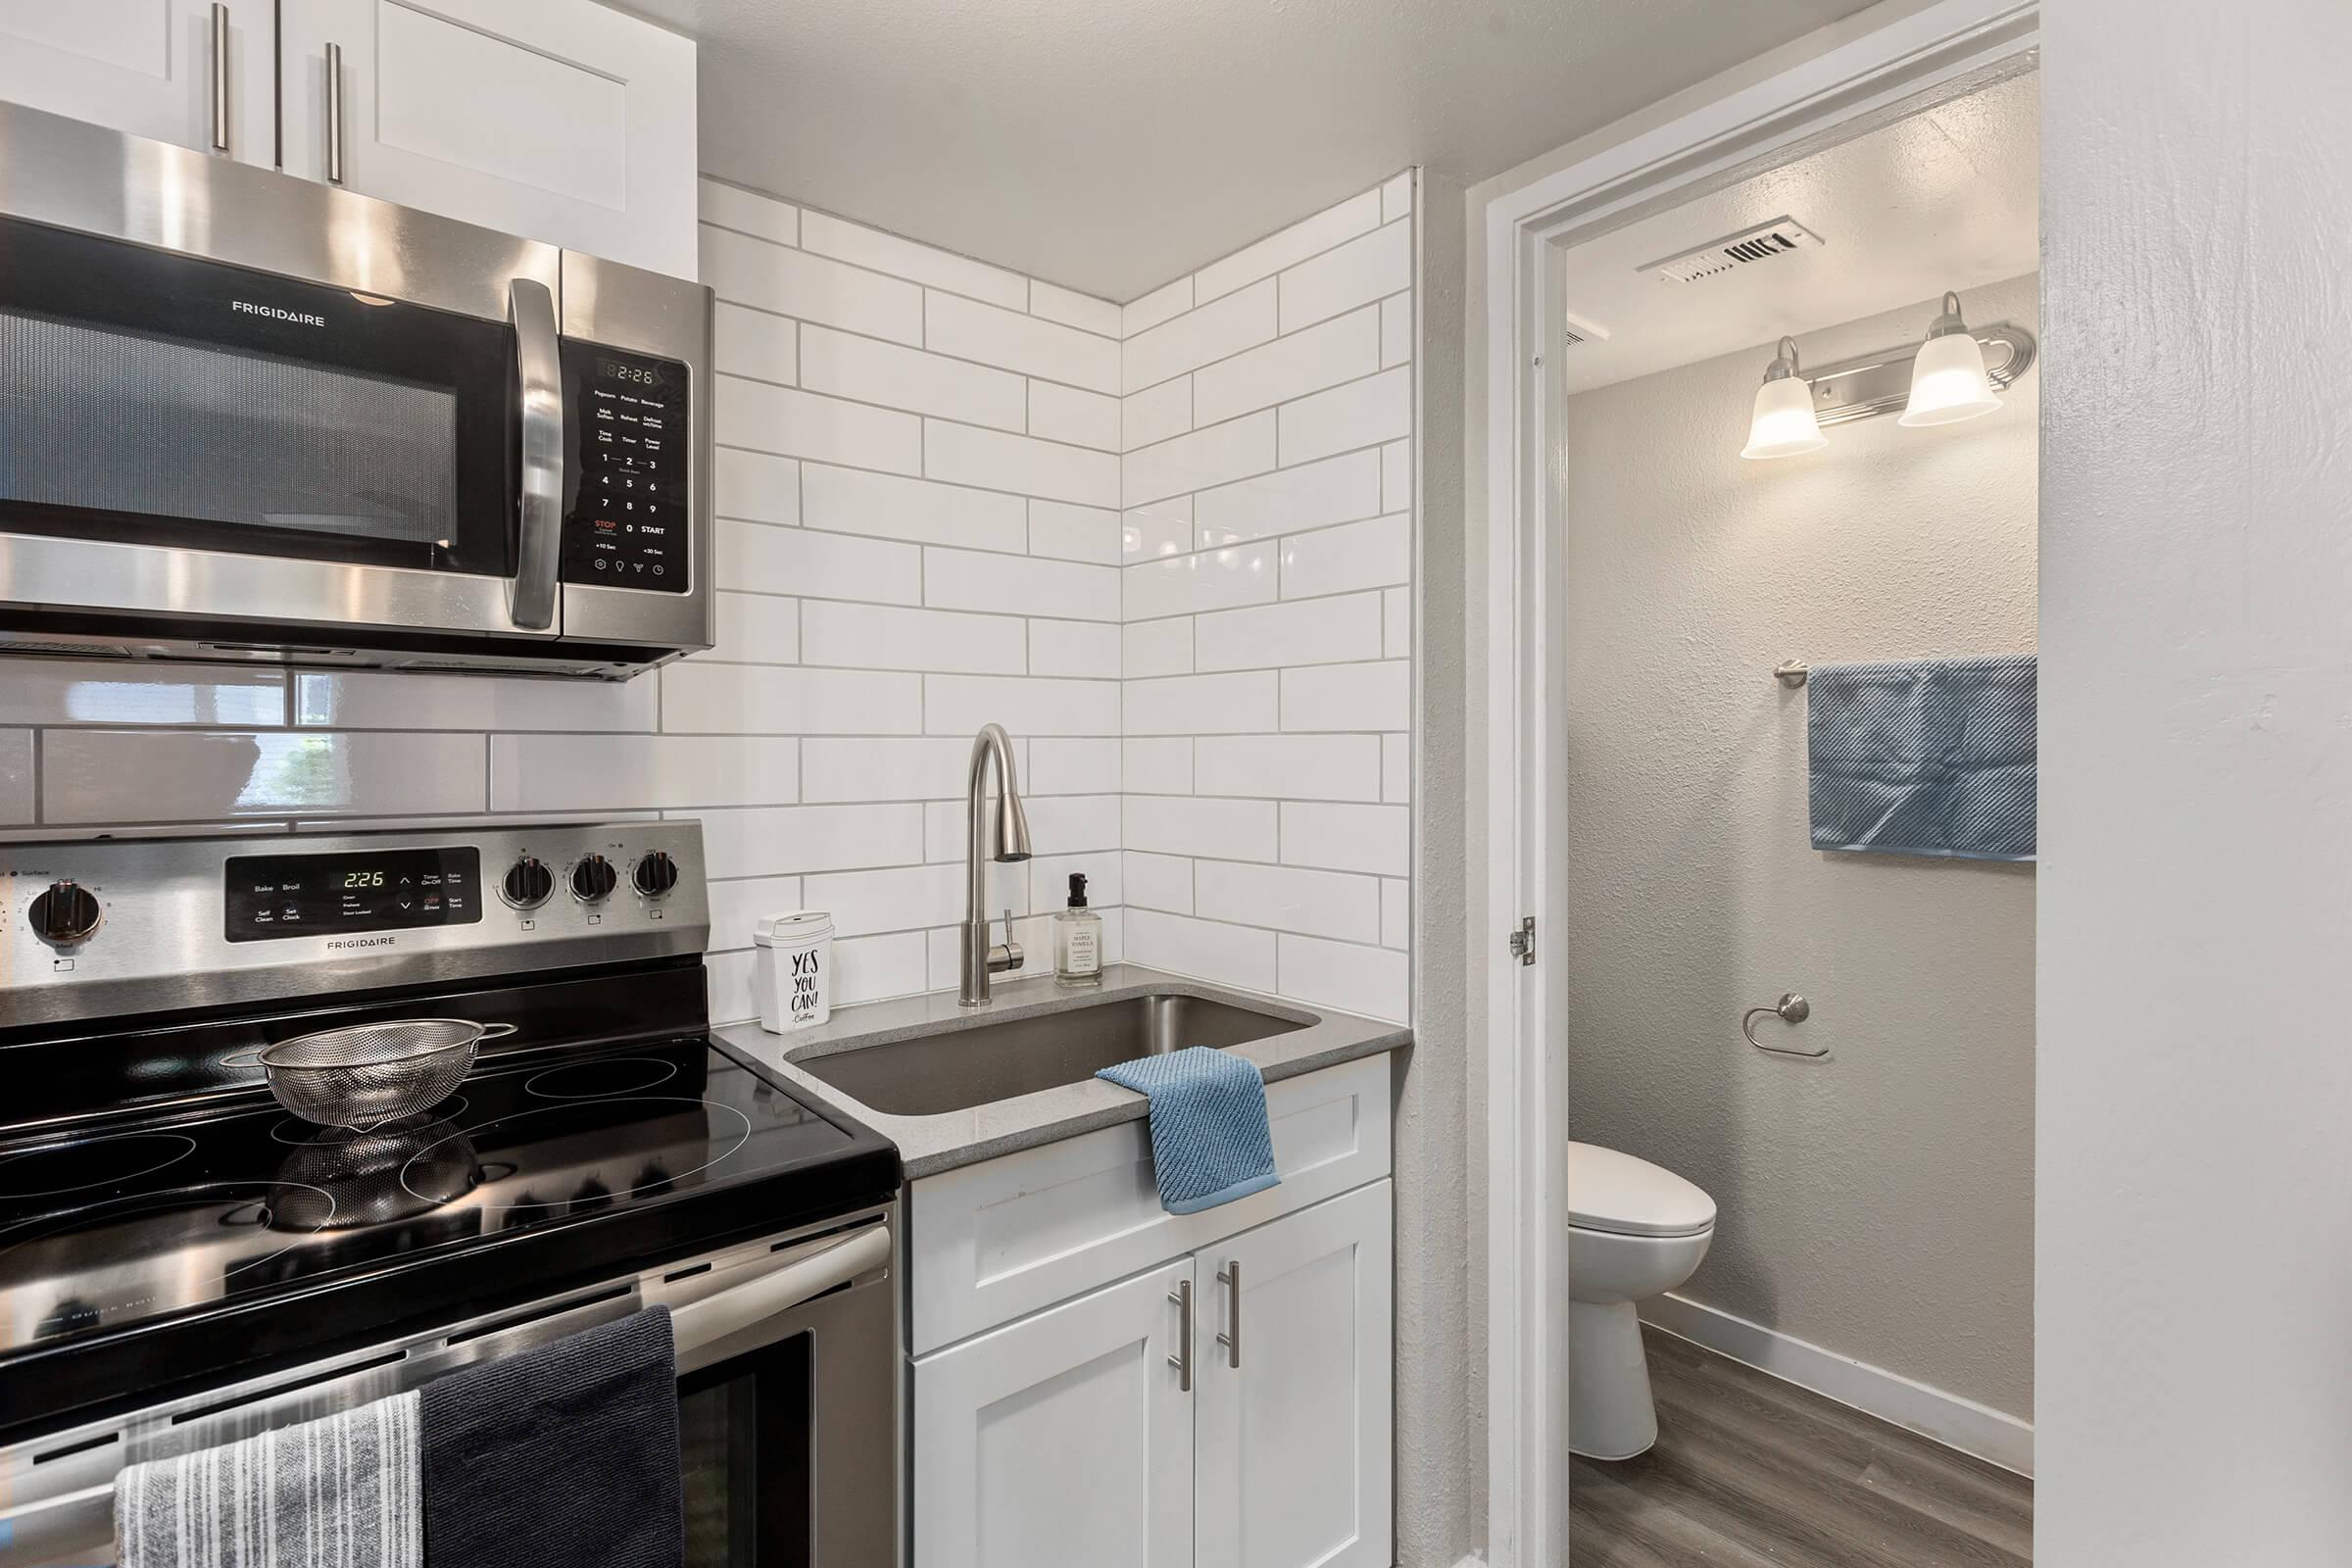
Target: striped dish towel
x: 339, y: 1493
x: 1210, y: 1141
x: 1936, y: 756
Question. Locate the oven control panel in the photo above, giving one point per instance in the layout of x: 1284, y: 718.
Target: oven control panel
x: 626, y: 482
x: 276, y: 897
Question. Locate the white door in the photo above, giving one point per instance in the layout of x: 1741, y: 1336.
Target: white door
x: 556, y: 120
x: 146, y: 66
x: 1290, y: 1445
x: 1063, y: 1441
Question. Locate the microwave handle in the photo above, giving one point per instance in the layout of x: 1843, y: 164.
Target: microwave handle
x: 531, y: 598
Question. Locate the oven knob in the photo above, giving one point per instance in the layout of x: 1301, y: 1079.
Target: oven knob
x: 655, y: 874
x: 65, y: 914
x: 592, y: 879
x: 528, y: 883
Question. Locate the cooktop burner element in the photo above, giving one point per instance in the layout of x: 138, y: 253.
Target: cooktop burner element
x: 296, y: 1132
x: 598, y: 1152
x: 593, y: 1080
x: 77, y: 1167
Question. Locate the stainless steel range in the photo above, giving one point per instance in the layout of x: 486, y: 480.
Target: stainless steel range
x: 184, y: 1262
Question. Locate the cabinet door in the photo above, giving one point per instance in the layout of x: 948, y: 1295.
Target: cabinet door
x: 1063, y: 1441
x: 146, y: 66
x: 1291, y: 1445
x: 556, y: 119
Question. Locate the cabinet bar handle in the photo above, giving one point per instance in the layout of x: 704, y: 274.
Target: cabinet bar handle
x: 1182, y: 1360
x: 1230, y: 1276
x: 220, y: 76
x: 334, y: 114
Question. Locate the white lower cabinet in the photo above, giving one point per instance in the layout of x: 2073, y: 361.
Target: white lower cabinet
x: 1069, y: 1439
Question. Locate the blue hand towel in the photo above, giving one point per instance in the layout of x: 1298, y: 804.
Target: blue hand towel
x: 1209, y: 1139
x: 1932, y: 757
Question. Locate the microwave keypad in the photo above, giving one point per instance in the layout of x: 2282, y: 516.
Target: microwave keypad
x: 626, y: 423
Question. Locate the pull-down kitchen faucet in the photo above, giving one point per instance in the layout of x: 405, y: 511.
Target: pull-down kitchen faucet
x: 980, y: 959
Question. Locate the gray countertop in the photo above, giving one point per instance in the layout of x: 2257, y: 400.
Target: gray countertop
x: 930, y: 1144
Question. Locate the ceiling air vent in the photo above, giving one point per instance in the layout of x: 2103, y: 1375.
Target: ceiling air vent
x: 1734, y: 251
x: 1580, y: 330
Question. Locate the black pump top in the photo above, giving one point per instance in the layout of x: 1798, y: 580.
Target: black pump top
x: 1077, y: 890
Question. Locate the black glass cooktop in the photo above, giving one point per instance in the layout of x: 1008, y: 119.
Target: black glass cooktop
x: 545, y: 1170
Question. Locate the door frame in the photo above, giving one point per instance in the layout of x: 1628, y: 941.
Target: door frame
x: 1886, y: 63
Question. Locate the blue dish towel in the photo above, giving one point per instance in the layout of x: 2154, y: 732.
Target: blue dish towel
x: 1209, y: 1139
x: 1932, y: 757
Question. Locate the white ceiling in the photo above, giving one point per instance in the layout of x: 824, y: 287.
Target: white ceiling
x: 1112, y: 145
x: 1948, y: 199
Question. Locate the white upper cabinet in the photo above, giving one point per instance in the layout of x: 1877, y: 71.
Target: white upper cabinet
x: 150, y: 68
x: 558, y: 119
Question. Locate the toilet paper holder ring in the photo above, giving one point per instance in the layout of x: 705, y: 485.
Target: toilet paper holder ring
x: 1791, y: 1009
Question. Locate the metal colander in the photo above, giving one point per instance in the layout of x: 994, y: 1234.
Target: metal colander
x: 365, y: 1074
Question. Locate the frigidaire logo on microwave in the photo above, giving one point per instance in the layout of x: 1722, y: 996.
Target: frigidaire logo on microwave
x: 298, y: 317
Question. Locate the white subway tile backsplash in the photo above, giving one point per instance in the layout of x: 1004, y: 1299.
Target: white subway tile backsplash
x: 1193, y: 824
x: 1014, y: 341
x: 1332, y: 227
x: 1356, y: 273
x: 756, y: 485
x: 732, y: 207
x: 907, y: 898
x: 740, y: 903
x: 1031, y: 706
x: 1088, y: 648
x: 1396, y: 623
x: 1002, y: 462
x: 1307, y: 767
x: 604, y: 772
x: 1074, y: 533
x: 1162, y: 528
x: 1160, y: 304
x: 810, y: 288
x: 863, y: 368
x: 761, y: 559
x: 1323, y: 356
x: 1397, y: 770
x: 1156, y: 647
x: 1049, y: 882
x: 16, y: 777
x: 1212, y: 579
x: 896, y: 637
x: 1203, y: 705
x: 1396, y: 197
x: 1360, y: 413
x: 1157, y: 764
x: 1231, y: 955
x: 1156, y: 413
x: 1156, y: 881
x: 1082, y: 311
x: 1072, y: 766
x: 1396, y: 476
x: 72, y: 692
x: 786, y: 840
x: 877, y: 968
x: 1020, y: 585
x: 699, y: 699
x: 883, y: 252
x: 1395, y: 331
x: 118, y: 775
x: 756, y: 629
x: 1340, y: 489
x: 892, y: 507
x: 1200, y: 337
x: 754, y: 343
x: 381, y: 700
x: 1214, y: 455
x: 1071, y: 824
x: 1310, y: 631
x: 1083, y: 418
x: 794, y: 423
x: 1352, y: 557
x: 1288, y: 897
x: 1396, y: 912
x: 1377, y: 839
x: 1367, y: 980
x: 1348, y: 697
x: 837, y: 768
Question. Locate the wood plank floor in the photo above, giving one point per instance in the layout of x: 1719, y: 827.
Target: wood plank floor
x: 1750, y: 1472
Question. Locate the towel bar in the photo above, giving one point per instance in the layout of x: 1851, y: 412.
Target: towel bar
x: 1792, y: 672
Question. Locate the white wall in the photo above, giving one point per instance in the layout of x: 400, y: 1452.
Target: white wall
x: 2194, y: 1294
x: 1878, y: 1203
x: 1268, y: 484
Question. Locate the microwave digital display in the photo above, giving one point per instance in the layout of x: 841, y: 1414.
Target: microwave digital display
x: 270, y: 897
x: 628, y: 482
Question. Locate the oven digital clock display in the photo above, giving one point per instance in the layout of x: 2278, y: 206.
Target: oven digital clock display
x: 273, y: 896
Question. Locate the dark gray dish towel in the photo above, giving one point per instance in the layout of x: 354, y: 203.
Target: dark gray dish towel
x: 1932, y: 757
x: 565, y: 1455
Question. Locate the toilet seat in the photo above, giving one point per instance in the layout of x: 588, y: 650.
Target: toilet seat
x: 1623, y: 1196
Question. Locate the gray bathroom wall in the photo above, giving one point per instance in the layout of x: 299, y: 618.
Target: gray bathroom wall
x: 1878, y: 1202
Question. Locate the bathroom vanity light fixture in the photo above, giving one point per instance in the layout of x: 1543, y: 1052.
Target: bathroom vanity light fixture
x: 1948, y: 383
x: 1784, y: 423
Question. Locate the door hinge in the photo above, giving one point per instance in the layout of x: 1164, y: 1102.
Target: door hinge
x: 1523, y: 940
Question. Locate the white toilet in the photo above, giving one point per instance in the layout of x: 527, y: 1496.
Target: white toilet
x: 1635, y: 1230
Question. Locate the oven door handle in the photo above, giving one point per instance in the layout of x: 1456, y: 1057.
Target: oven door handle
x: 724, y: 1313
x: 539, y: 361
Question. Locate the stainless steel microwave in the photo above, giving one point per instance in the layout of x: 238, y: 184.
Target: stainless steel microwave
x: 248, y: 417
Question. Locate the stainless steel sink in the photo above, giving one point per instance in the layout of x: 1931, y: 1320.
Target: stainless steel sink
x: 976, y: 1064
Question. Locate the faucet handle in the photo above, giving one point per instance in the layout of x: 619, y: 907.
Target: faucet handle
x: 1007, y: 955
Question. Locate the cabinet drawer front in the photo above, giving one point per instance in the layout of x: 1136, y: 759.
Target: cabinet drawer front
x: 996, y: 1241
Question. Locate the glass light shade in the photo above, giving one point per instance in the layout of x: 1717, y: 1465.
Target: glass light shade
x: 1785, y: 424
x: 1947, y: 383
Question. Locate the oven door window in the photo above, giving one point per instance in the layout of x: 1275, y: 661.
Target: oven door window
x: 743, y: 1426
x: 157, y: 399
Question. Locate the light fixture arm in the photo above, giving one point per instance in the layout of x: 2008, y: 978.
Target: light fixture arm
x: 1783, y: 361
x: 1950, y: 321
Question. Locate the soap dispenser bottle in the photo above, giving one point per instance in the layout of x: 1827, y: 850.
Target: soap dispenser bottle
x: 1077, y: 941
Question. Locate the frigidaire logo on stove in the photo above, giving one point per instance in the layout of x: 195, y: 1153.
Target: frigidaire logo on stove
x: 359, y: 942
x: 298, y: 317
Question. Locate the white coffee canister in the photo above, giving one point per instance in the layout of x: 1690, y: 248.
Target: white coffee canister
x: 794, y: 969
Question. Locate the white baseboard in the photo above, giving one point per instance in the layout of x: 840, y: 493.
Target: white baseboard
x: 1951, y: 1420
